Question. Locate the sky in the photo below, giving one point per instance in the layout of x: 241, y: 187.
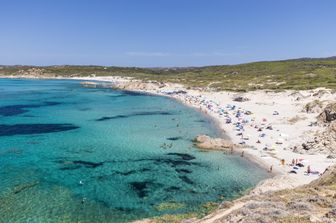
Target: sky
x: 164, y: 33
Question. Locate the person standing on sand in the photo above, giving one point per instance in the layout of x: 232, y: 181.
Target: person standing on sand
x: 271, y: 169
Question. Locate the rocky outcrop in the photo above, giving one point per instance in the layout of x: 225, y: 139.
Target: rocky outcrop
x: 315, y: 106
x: 206, y: 142
x: 329, y: 114
x: 324, y: 141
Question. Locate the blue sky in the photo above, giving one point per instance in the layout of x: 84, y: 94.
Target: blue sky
x: 152, y: 33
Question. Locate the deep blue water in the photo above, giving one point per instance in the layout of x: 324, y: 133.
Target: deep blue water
x: 73, y: 154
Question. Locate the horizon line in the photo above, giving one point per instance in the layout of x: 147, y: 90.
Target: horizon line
x: 167, y: 67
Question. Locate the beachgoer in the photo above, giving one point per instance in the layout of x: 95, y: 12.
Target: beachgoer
x: 242, y: 154
x: 282, y: 162
x: 271, y: 169
x: 308, y: 169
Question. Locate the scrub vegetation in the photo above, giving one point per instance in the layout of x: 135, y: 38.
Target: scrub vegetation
x: 299, y: 74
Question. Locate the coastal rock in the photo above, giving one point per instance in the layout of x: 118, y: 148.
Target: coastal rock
x: 206, y: 142
x: 240, y: 99
x: 325, y: 141
x: 315, y: 106
x: 329, y: 113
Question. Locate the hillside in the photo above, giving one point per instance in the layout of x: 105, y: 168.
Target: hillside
x: 276, y: 75
x: 315, y: 202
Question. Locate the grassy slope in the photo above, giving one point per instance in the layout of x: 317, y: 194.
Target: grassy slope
x: 287, y: 74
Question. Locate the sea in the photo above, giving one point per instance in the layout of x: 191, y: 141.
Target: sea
x: 75, y: 154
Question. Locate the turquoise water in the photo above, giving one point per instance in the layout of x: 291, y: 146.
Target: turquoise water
x: 73, y: 154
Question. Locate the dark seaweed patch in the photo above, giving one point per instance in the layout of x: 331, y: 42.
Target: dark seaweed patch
x: 73, y: 165
x: 27, y: 129
x: 88, y: 164
x: 172, y: 162
x: 135, y: 93
x: 186, y: 179
x: 174, y: 138
x: 12, y: 110
x: 111, y: 117
x: 22, y: 187
x: 125, y: 209
x: 84, y: 109
x: 184, y: 156
x: 50, y: 103
x: 105, y: 118
x: 140, y: 188
x: 200, y: 120
x: 126, y: 173
x: 183, y: 171
x: 172, y: 188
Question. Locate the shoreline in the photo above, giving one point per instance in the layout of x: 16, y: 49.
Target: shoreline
x: 214, y: 121
x: 281, y: 179
x: 297, y: 132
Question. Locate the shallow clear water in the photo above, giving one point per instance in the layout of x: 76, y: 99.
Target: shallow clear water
x: 73, y: 154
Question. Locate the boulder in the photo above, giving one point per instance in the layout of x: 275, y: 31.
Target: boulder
x: 206, y: 142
